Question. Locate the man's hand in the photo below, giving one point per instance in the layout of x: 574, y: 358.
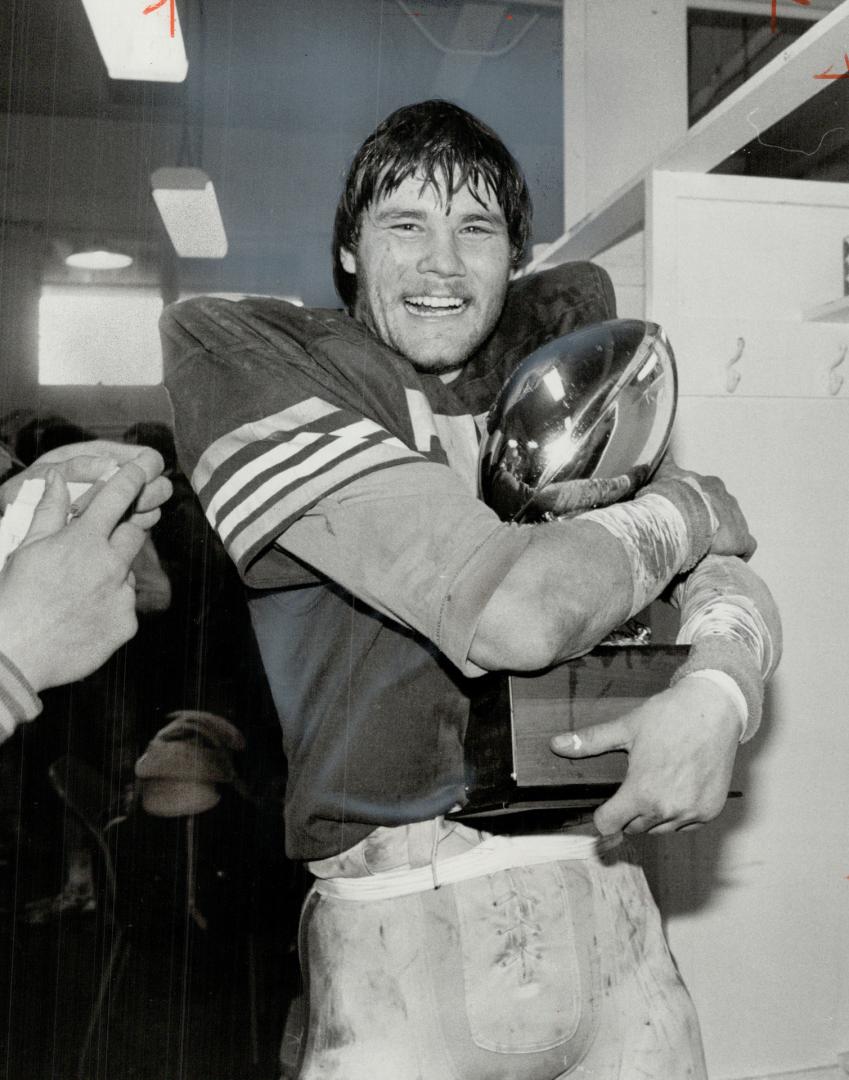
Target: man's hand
x: 90, y: 463
x: 568, y: 497
x: 681, y: 746
x: 67, y: 598
x: 733, y: 536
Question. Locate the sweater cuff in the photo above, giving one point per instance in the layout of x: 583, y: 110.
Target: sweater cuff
x: 714, y: 652
x: 18, y: 700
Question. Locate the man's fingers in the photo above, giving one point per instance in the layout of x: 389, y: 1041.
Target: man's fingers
x: 627, y: 812
x: 668, y: 469
x: 620, y: 810
x: 677, y: 824
x: 98, y: 454
x: 643, y: 823
x: 146, y: 511
x: 113, y: 501
x: 657, y: 826
x: 595, y: 739
x: 95, y: 463
x: 574, y: 496
x: 127, y: 540
x: 148, y: 460
x: 146, y: 520
x: 52, y: 511
x: 155, y: 493
x: 80, y: 469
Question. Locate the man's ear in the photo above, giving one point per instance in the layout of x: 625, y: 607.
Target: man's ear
x: 348, y: 260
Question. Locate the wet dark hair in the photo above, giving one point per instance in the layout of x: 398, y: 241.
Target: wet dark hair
x: 437, y: 141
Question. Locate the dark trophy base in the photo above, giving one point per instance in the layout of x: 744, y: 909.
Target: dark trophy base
x: 509, y: 765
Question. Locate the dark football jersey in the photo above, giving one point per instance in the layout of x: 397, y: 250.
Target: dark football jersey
x: 277, y: 407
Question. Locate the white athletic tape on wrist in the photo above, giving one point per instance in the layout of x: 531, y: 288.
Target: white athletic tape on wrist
x: 732, y: 617
x: 654, y: 535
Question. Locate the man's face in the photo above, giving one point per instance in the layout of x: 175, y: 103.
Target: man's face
x: 431, y: 283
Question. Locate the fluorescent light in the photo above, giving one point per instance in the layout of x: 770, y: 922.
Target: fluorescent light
x: 186, y: 200
x: 135, y: 45
x: 98, y: 259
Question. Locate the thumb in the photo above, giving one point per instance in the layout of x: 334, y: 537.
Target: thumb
x: 51, y: 514
x: 594, y: 739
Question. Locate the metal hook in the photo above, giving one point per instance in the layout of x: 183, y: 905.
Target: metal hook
x: 835, y: 381
x: 732, y: 378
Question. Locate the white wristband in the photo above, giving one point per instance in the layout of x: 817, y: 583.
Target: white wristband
x: 654, y: 537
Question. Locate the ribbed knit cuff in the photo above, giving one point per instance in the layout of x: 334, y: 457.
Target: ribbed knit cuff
x: 721, y: 654
x: 18, y: 700
x: 695, y: 510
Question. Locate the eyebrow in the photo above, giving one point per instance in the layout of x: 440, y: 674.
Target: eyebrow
x: 492, y: 217
x: 393, y: 213
x: 389, y: 214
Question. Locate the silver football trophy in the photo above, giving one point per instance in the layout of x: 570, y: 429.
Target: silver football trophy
x: 597, y: 404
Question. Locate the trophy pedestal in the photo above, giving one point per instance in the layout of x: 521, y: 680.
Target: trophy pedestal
x: 509, y: 765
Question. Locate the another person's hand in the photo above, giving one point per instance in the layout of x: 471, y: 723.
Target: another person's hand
x: 90, y: 462
x: 681, y: 747
x: 67, y: 596
x: 153, y: 589
x: 733, y: 536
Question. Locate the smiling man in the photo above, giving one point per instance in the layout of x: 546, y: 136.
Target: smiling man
x: 335, y: 455
x: 432, y: 265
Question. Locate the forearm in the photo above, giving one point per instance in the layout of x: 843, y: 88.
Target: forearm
x: 579, y: 579
x: 730, y: 621
x: 570, y: 586
x: 413, y: 543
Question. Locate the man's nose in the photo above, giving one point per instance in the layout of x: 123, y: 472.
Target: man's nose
x: 441, y: 256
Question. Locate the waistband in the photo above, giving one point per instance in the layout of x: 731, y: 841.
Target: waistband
x: 492, y: 855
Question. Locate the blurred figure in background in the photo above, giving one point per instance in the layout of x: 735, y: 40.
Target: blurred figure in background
x: 45, y: 433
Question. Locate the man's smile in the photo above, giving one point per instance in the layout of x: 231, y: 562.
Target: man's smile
x: 435, y: 306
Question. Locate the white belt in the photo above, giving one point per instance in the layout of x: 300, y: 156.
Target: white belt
x: 489, y: 857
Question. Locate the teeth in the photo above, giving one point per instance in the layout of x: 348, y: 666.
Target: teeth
x: 436, y: 301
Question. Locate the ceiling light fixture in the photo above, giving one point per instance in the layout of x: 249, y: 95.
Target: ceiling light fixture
x: 96, y: 258
x: 186, y: 201
x: 135, y: 44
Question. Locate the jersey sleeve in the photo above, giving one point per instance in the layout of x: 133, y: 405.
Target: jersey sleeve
x: 414, y: 545
x: 272, y: 414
